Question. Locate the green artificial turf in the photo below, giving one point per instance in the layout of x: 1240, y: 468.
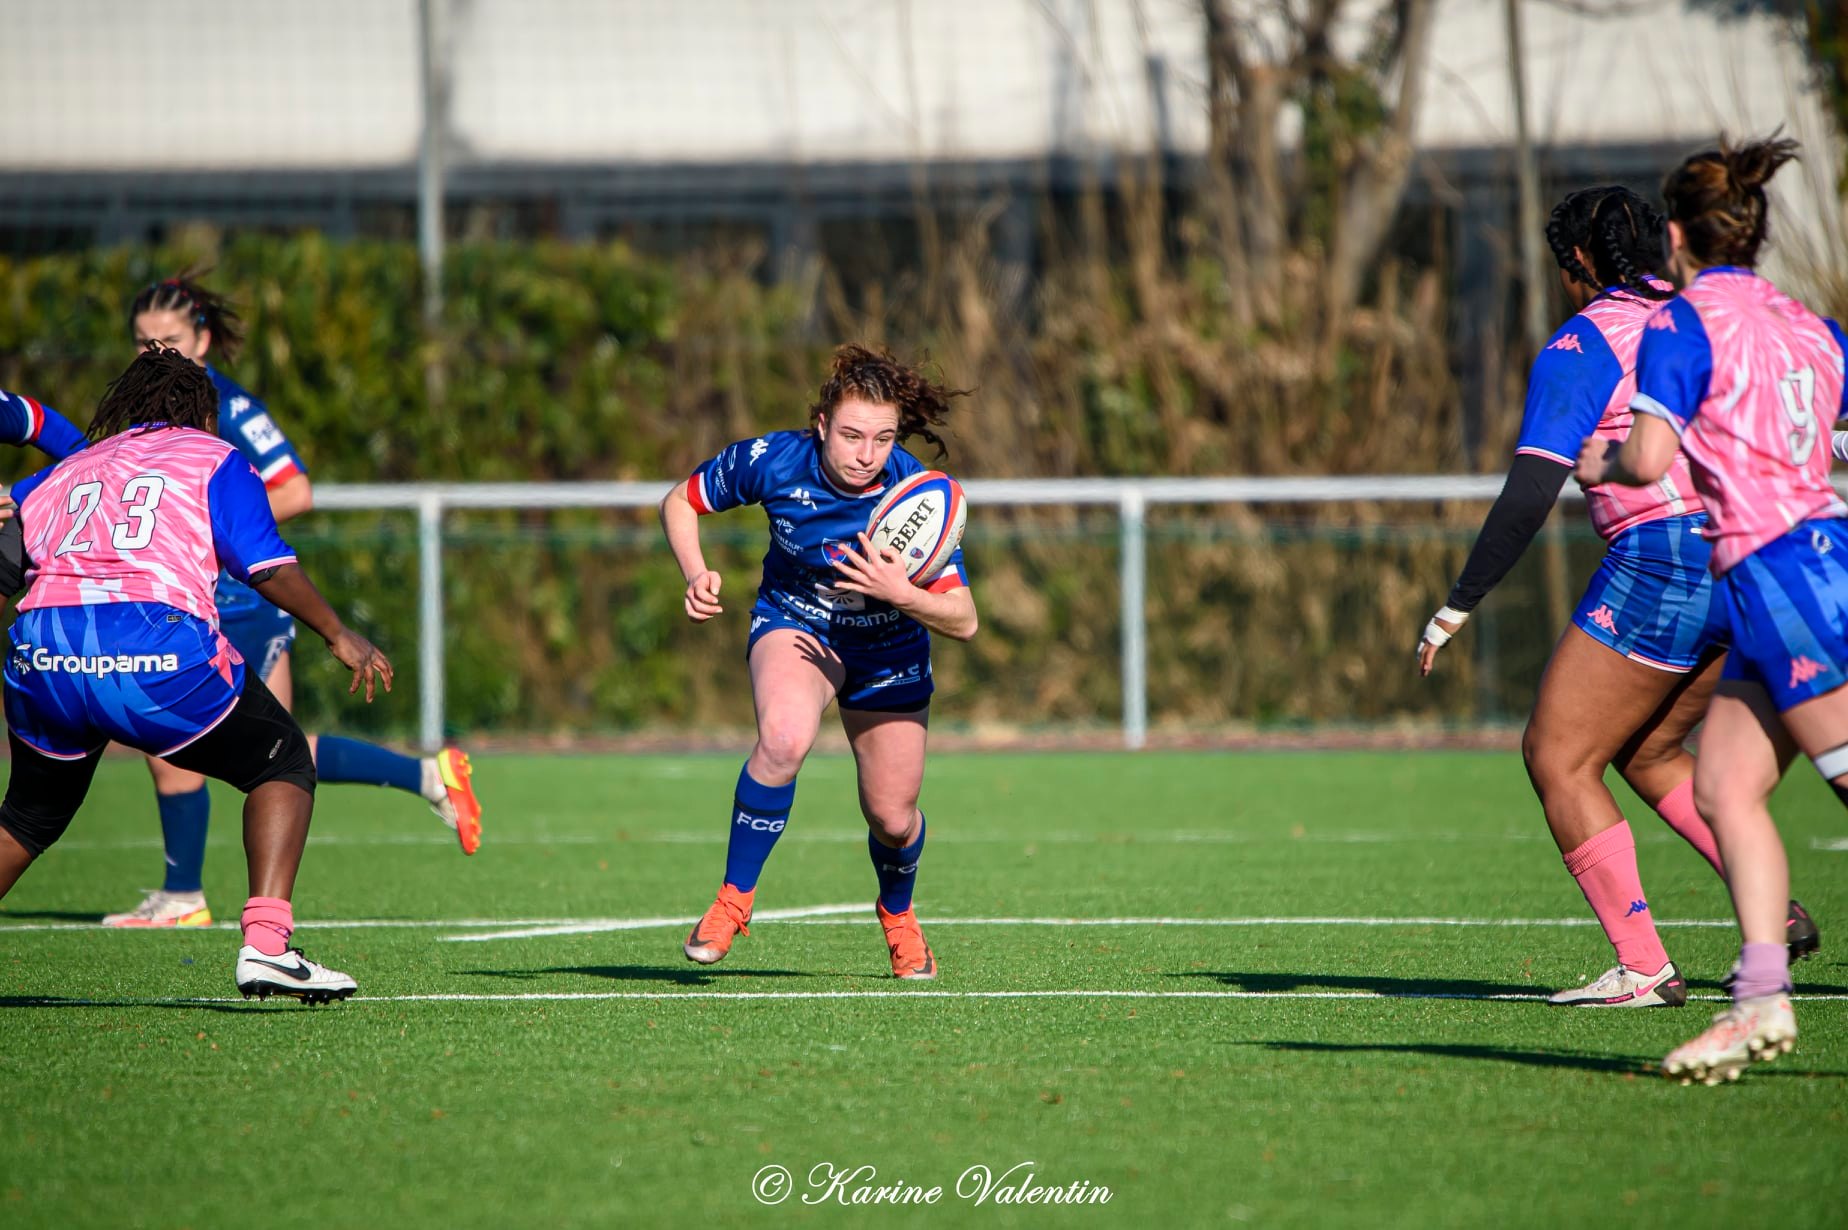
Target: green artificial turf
x: 1363, y: 1074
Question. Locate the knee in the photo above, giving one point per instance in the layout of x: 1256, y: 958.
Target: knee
x: 1720, y: 797
x: 781, y: 749
x: 894, y: 823
x: 1554, y: 763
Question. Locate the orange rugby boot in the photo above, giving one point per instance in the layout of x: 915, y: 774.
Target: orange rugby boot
x: 449, y: 787
x: 911, y: 956
x: 711, y: 938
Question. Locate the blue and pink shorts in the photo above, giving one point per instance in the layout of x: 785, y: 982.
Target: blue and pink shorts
x: 1653, y: 600
x: 1788, y: 603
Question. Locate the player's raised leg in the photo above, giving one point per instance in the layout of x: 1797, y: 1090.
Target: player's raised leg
x: 445, y: 781
x: 888, y: 752
x: 1657, y: 765
x: 1566, y: 756
x: 793, y: 680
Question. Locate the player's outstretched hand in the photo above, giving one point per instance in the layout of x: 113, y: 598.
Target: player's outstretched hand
x: 363, y: 658
x: 877, y: 574
x: 703, y: 597
x: 1438, y: 631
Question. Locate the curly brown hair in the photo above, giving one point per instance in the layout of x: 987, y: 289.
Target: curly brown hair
x: 1718, y: 197
x: 875, y: 376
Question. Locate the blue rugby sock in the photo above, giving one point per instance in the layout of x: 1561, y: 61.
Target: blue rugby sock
x: 898, y: 869
x: 759, y: 813
x: 183, y: 821
x: 350, y: 760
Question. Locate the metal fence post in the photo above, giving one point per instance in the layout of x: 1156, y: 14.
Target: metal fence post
x: 430, y: 618
x: 1131, y: 505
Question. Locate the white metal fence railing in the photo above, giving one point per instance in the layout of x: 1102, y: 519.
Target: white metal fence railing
x: 1130, y: 496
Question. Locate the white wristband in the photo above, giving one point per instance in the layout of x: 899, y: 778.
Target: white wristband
x: 1435, y: 635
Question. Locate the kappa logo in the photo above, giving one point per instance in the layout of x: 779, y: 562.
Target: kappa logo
x: 1637, y: 907
x: 759, y: 447
x: 758, y: 621
x: 1567, y: 341
x: 1804, y: 669
x: 802, y: 496
x: 1662, y: 320
x: 1604, y: 619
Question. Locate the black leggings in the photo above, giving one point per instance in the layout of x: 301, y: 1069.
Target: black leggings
x: 257, y: 742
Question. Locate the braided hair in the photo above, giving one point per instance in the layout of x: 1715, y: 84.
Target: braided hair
x: 206, y: 310
x: 163, y: 388
x: 1619, y: 230
x: 875, y: 376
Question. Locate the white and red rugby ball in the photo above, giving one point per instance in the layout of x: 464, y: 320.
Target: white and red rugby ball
x: 921, y: 521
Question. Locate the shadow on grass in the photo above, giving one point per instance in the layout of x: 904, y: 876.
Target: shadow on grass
x: 59, y: 1001
x: 81, y: 916
x: 1535, y: 1057
x: 679, y: 975
x: 1394, y: 988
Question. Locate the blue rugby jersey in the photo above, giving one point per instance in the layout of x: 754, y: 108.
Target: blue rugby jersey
x: 245, y: 423
x: 809, y: 518
x: 25, y: 421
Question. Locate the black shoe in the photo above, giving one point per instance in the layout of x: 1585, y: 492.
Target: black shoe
x: 1801, y: 933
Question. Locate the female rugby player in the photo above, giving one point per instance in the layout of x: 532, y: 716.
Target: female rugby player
x: 181, y: 314
x: 834, y: 622
x: 1630, y: 678
x: 1745, y: 381
x: 117, y: 638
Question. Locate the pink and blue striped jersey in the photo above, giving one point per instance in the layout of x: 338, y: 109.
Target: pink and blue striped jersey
x: 1751, y: 380
x: 146, y: 516
x: 1581, y: 385
x: 25, y: 421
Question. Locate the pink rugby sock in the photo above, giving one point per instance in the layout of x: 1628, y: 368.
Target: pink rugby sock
x: 1679, y: 813
x: 268, y: 922
x: 1605, y: 868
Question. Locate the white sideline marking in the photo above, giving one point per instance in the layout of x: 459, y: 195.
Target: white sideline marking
x: 818, y: 915
x: 490, y: 997
x: 1834, y: 845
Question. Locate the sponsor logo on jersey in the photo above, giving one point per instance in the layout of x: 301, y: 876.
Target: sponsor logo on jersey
x: 43, y: 659
x: 263, y: 434
x: 759, y: 447
x: 1567, y: 341
x: 912, y: 674
x: 759, y: 824
x: 1803, y: 669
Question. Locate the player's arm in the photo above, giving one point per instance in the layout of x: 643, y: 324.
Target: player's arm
x: 273, y: 456
x: 680, y: 521
x: 1567, y: 391
x: 945, y: 606
x: 1838, y: 440
x: 1674, y: 369
x: 292, y: 497
x: 25, y: 421
x: 251, y: 549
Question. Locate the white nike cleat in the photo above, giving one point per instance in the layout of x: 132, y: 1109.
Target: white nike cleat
x: 1752, y: 1031
x: 161, y: 908
x: 291, y: 974
x: 1620, y: 987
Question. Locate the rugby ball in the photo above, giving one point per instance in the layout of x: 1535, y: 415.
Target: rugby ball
x: 921, y: 521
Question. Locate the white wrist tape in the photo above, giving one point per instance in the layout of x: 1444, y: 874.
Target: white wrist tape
x: 1434, y: 634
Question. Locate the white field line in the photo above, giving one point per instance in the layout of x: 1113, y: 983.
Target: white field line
x: 510, y: 997
x: 1833, y: 845
x: 821, y: 915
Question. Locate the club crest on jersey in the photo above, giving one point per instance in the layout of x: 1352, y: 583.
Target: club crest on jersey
x: 833, y: 551
x: 1821, y: 543
x: 1567, y: 341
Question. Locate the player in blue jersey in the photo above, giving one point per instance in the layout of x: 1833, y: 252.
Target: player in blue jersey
x: 181, y: 314
x: 834, y: 622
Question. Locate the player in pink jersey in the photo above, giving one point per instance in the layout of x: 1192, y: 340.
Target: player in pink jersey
x: 117, y: 638
x: 1630, y: 677
x: 181, y: 313
x: 1744, y: 380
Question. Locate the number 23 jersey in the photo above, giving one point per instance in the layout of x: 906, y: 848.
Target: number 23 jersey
x: 810, y: 518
